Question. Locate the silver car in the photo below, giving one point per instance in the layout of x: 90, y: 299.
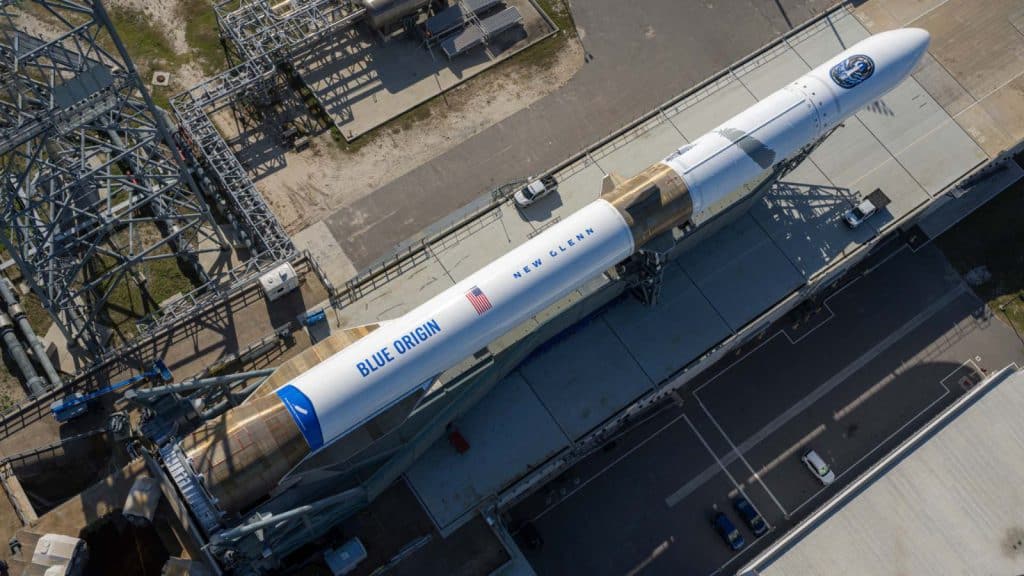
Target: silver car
x: 817, y: 465
x: 535, y: 190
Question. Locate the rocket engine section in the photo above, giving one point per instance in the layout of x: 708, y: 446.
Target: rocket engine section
x: 242, y: 456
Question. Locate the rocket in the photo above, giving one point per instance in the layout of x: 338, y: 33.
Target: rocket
x: 242, y: 455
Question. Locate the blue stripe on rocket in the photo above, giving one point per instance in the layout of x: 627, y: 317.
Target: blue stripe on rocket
x: 302, y: 411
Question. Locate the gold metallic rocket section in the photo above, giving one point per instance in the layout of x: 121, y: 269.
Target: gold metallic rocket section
x: 244, y: 453
x: 652, y: 202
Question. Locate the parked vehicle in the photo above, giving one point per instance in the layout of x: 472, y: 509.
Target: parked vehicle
x: 817, y: 465
x: 535, y: 190
x: 753, y: 520
x: 728, y: 531
x: 866, y: 208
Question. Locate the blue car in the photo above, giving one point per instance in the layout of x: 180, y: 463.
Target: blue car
x: 750, y: 516
x: 728, y: 531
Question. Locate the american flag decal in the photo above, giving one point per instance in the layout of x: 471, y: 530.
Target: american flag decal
x: 479, y: 300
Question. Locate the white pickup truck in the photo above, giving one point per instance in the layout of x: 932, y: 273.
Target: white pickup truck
x: 535, y: 190
x: 866, y: 208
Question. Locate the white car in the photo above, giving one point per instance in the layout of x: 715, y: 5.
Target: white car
x: 859, y: 213
x: 535, y: 190
x: 874, y: 202
x: 816, y: 464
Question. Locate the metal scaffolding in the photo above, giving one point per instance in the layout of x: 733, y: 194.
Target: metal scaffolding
x: 259, y: 38
x: 256, y: 28
x: 92, y: 185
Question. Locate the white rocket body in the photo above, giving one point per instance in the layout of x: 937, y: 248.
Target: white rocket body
x: 796, y: 116
x: 405, y: 354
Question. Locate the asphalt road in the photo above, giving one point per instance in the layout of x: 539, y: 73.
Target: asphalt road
x: 885, y: 353
x: 644, y: 53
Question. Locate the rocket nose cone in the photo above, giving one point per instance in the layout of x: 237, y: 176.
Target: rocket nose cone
x: 898, y: 51
x: 909, y: 43
x: 915, y: 40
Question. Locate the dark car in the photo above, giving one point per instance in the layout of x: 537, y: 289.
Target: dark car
x: 728, y: 531
x: 750, y: 516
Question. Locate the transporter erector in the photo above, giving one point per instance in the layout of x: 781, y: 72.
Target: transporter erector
x: 270, y: 434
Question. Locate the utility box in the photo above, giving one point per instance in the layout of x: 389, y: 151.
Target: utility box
x: 279, y: 281
x: 59, y: 555
x: 346, y: 557
x: 143, y: 498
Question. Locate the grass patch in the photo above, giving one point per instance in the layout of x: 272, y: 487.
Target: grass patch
x: 146, y: 43
x: 559, y: 13
x: 202, y: 35
x: 10, y: 389
x: 993, y: 236
x: 410, y: 118
x: 128, y: 303
x: 161, y: 95
x: 542, y: 54
x: 38, y: 317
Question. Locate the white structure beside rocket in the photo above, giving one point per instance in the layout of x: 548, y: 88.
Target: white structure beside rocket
x: 405, y: 354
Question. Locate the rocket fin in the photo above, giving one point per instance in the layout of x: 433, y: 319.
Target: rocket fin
x: 611, y: 181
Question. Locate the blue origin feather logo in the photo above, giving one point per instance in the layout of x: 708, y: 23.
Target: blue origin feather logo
x: 303, y: 413
x: 852, y: 71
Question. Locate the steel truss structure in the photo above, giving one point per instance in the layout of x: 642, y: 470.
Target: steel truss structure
x: 92, y: 185
x: 260, y: 40
x: 255, y: 28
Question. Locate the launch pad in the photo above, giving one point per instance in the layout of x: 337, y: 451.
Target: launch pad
x: 757, y: 257
x: 752, y: 259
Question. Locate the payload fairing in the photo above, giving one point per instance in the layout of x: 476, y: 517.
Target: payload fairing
x: 268, y: 436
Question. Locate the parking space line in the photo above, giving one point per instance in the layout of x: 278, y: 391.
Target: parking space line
x: 851, y: 368
x: 782, y: 331
x: 738, y: 360
x: 696, y: 482
x: 945, y: 392
x: 830, y: 384
x: 742, y: 458
x: 601, y: 472
x: 958, y: 368
x: 724, y: 469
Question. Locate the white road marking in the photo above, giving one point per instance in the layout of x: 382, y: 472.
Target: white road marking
x: 743, y: 459
x: 830, y: 384
x: 601, y: 472
x: 826, y: 387
x: 696, y: 482
x: 713, y: 455
x: 877, y: 446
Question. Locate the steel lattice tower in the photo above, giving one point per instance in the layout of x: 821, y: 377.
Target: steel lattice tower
x: 92, y: 185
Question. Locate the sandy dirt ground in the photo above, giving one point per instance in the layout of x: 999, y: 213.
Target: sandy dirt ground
x: 164, y: 15
x: 314, y: 183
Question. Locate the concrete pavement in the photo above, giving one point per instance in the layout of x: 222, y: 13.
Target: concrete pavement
x: 644, y: 53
